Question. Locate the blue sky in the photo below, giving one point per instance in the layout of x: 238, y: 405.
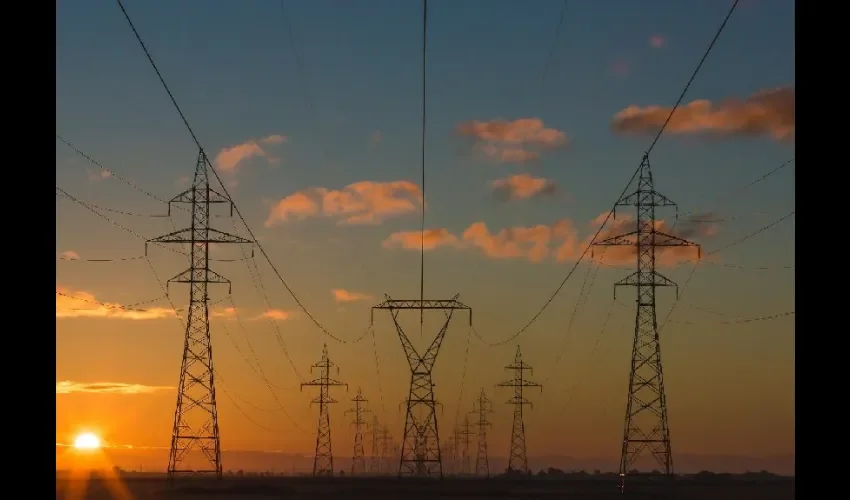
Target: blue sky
x: 233, y: 71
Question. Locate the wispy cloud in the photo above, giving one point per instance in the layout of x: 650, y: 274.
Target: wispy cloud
x: 766, y: 113
x: 69, y: 255
x: 275, y: 314
x: 518, y: 141
x: 363, y: 202
x: 79, y: 304
x: 98, y: 175
x: 522, y: 186
x: 341, y: 295
x: 225, y: 313
x: 657, y: 41
x: 231, y: 158
x: 70, y: 387
x: 377, y: 138
x: 413, y: 240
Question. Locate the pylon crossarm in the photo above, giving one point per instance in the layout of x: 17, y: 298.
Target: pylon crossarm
x: 627, y: 239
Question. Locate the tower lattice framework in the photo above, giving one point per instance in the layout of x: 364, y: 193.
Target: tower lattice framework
x: 420, y: 445
x: 465, y: 433
x: 518, y: 461
x: 646, y: 426
x: 196, y: 415
x: 482, y: 407
x: 323, y: 462
x: 375, y: 458
x: 358, y: 460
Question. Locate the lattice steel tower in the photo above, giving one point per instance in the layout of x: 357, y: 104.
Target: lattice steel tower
x: 358, y: 462
x: 518, y: 461
x: 465, y: 432
x: 196, y: 416
x: 323, y: 463
x: 646, y: 424
x: 375, y: 459
x: 483, y: 406
x: 420, y: 447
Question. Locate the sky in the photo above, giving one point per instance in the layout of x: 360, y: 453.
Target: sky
x: 317, y: 140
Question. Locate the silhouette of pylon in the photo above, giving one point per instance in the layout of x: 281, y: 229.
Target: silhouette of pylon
x: 196, y: 414
x: 482, y: 407
x: 646, y: 425
x: 420, y: 447
x: 518, y: 461
x: 358, y: 461
x: 375, y: 458
x: 465, y: 432
x: 323, y: 462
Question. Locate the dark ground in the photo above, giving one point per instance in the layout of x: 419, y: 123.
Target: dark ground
x: 249, y: 488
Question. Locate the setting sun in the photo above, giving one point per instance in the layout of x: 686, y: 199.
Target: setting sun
x: 87, y: 441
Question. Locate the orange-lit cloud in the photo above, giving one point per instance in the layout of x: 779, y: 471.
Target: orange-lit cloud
x: 69, y: 255
x: 79, y: 304
x: 412, y: 240
x: 767, y: 112
x: 341, y: 295
x: 518, y: 141
x: 363, y: 202
x: 69, y: 387
x: 560, y: 241
x: 98, y: 175
x: 226, y: 313
x: 229, y: 159
x: 276, y: 314
x: 657, y: 41
x: 522, y: 186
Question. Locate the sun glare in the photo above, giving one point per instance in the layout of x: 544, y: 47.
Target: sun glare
x: 87, y: 441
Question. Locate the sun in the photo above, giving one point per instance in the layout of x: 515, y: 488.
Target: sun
x: 87, y: 441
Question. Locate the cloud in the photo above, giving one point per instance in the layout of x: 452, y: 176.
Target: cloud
x: 69, y: 255
x: 226, y: 313
x: 657, y: 41
x: 230, y: 159
x: 69, y: 387
x: 561, y: 241
x: 621, y: 67
x: 98, y: 175
x: 341, y: 295
x: 522, y: 186
x: 79, y: 304
x: 765, y: 113
x: 377, y: 138
x: 363, y: 202
x: 276, y: 314
x: 412, y: 240
x: 518, y: 141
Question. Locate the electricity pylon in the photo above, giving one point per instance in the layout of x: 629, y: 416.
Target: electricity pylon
x: 646, y: 424
x: 465, y: 432
x: 375, y: 459
x: 196, y: 416
x: 384, y: 440
x: 518, y: 461
x: 323, y: 462
x: 420, y: 446
x: 482, y: 407
x: 358, y: 462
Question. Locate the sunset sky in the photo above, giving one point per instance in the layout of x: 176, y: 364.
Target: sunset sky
x: 324, y: 165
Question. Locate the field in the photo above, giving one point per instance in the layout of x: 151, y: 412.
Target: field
x: 260, y: 487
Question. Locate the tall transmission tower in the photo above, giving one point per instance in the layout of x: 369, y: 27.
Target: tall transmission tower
x: 196, y: 416
x: 420, y: 446
x: 384, y: 440
x: 483, y: 406
x: 358, y: 461
x: 518, y: 461
x: 646, y: 424
x: 323, y: 462
x: 465, y: 432
x: 375, y: 459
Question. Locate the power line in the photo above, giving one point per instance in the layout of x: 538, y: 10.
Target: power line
x: 625, y: 189
x: 218, y: 178
x: 128, y: 307
x: 554, y: 46
x: 422, y: 232
x: 768, y: 317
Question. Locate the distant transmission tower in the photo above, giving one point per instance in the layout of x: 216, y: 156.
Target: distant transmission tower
x: 323, y: 463
x: 646, y: 411
x: 420, y: 447
x: 465, y: 432
x: 518, y: 461
x: 482, y: 407
x: 358, y: 462
x: 196, y: 416
x: 375, y: 458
